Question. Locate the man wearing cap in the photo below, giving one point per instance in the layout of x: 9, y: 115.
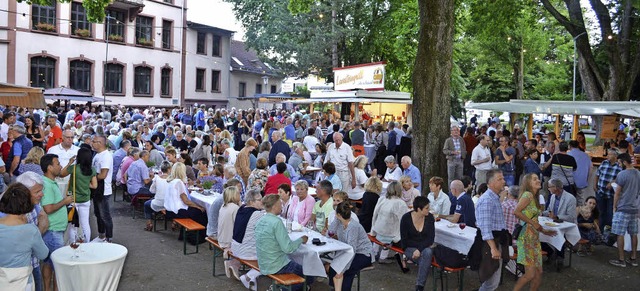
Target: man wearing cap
x: 19, y: 149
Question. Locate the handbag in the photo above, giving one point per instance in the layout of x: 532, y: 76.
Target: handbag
x: 571, y: 188
x: 517, y: 230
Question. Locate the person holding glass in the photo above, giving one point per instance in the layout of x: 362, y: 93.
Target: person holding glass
x: 349, y: 231
x: 528, y: 243
x: 417, y: 230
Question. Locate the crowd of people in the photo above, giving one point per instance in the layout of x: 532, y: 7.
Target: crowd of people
x: 264, y: 163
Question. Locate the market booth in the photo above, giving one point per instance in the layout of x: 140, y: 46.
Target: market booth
x: 611, y: 111
x: 22, y: 96
x: 360, y: 91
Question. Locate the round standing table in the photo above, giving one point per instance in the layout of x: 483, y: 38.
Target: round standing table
x: 98, y: 266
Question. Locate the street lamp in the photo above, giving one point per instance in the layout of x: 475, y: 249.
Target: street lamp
x: 265, y: 81
x: 574, y: 64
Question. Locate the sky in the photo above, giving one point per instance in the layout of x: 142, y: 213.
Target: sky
x: 215, y: 13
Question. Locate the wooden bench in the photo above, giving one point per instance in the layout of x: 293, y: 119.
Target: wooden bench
x: 396, y: 249
x: 285, y: 281
x: 441, y: 274
x: 188, y: 225
x: 138, y: 201
x: 160, y: 215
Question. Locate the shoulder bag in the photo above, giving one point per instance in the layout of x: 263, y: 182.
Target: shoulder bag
x: 572, y: 186
x: 72, y: 213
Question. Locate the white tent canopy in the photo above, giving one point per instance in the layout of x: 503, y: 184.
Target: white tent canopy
x: 592, y: 108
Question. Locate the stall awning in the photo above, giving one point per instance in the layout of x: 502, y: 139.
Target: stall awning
x: 592, y: 108
x: 364, y: 94
x: 350, y: 100
x: 22, y: 96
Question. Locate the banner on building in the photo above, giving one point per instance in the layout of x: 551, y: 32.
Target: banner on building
x: 366, y: 76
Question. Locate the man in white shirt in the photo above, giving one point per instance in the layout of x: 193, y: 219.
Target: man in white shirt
x: 103, y: 165
x: 65, y: 151
x: 8, y: 119
x: 341, y: 155
x: 481, y: 159
x: 71, y: 114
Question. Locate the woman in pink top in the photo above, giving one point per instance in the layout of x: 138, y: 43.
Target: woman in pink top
x: 301, y: 204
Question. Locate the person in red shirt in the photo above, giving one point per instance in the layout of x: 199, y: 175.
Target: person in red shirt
x: 55, y: 133
x: 276, y: 180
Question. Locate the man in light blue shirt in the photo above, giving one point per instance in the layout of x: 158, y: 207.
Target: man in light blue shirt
x: 582, y: 172
x: 411, y: 171
x: 273, y: 244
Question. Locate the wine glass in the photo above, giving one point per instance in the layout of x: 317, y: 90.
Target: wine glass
x: 310, y: 226
x: 462, y: 225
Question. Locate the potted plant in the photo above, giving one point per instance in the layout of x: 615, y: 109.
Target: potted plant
x: 150, y: 164
x: 145, y: 42
x: 43, y: 26
x: 82, y: 32
x: 116, y: 37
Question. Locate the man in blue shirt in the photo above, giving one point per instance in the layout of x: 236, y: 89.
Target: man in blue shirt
x: 465, y: 211
x: 200, y: 118
x: 411, y: 171
x: 582, y: 172
x: 137, y: 176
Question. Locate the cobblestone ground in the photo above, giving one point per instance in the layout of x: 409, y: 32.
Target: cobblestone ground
x: 155, y: 262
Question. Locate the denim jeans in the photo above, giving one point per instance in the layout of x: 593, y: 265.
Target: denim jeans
x: 102, y: 210
x: 37, y: 279
x: 358, y: 263
x: 295, y: 268
x: 148, y: 212
x: 424, y: 263
x: 509, y: 179
x: 53, y: 240
x: 605, y: 206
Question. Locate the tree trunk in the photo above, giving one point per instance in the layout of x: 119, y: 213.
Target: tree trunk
x: 432, y: 80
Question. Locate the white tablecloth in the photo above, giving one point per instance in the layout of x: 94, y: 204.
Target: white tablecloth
x: 450, y: 235
x: 308, y: 255
x: 567, y: 231
x: 98, y: 266
x: 204, y: 200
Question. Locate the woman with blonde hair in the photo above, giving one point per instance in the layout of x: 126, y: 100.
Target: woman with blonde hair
x: 408, y: 191
x: 361, y: 177
x: 178, y: 202
x: 529, y: 251
x: 259, y: 176
x: 225, y: 134
x: 32, y: 162
x: 226, y: 221
x: 372, y: 189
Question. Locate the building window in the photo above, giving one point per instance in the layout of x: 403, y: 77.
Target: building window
x: 166, y: 34
x: 144, y: 31
x: 201, y: 46
x: 242, y: 89
x: 115, y: 29
x: 43, y: 72
x: 43, y: 17
x: 114, y: 78
x: 80, y: 25
x: 80, y: 76
x: 165, y: 82
x: 215, y: 81
x: 142, y: 81
x: 200, y: 74
x: 258, y: 88
x: 273, y: 89
x: 216, y: 46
